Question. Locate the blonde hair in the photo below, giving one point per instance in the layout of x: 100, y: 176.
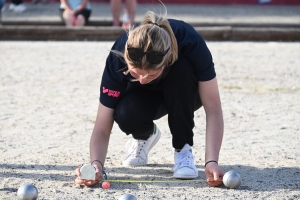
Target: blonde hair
x: 156, y: 34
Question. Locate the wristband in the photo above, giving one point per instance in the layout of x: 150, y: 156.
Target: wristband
x: 209, y: 162
x: 98, y: 162
x: 103, y: 171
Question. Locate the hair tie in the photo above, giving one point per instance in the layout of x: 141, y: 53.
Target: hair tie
x: 154, y: 23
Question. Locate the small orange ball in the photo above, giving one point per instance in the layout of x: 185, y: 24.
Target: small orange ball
x: 105, y: 185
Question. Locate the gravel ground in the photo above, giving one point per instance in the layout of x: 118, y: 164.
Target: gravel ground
x: 49, y: 98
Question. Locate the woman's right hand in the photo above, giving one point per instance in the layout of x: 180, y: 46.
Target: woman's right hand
x: 99, y: 176
x: 214, y: 174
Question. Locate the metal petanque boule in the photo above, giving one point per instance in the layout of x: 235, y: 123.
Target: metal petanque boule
x: 27, y: 192
x: 232, y: 179
x: 127, y: 197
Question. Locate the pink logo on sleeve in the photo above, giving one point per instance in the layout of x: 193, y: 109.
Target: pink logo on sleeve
x: 105, y: 90
x: 111, y: 93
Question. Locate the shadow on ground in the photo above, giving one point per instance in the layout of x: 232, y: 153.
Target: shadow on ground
x: 253, y: 179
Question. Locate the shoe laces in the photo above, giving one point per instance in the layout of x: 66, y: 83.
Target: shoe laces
x: 184, y: 159
x: 136, y: 147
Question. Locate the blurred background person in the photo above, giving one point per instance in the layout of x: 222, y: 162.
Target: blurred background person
x: 2, y: 2
x: 75, y: 12
x: 17, y: 6
x: 129, y: 10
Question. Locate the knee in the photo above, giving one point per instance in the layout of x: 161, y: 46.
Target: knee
x: 67, y: 15
x: 80, y: 21
x: 67, y: 18
x: 127, y: 116
x: 124, y: 118
x: 133, y: 117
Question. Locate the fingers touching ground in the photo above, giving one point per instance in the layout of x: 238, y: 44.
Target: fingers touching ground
x: 87, y: 182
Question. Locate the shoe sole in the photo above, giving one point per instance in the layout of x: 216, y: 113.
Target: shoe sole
x: 153, y: 144
x: 185, y: 176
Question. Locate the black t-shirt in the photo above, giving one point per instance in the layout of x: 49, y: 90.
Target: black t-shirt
x: 190, y: 45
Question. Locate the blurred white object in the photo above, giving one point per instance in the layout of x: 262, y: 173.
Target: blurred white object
x: 11, y: 7
x: 125, y: 19
x: 17, y: 8
x: 20, y: 8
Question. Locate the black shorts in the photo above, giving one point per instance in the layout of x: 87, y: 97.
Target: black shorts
x: 85, y: 13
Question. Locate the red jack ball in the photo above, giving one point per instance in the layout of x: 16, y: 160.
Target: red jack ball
x: 105, y: 185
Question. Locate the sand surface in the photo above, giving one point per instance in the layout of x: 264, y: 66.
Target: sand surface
x: 49, y: 97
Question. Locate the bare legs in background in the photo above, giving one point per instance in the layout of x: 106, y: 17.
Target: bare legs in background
x: 116, y: 8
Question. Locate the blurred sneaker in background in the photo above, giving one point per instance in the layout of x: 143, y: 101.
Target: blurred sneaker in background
x: 17, y: 8
x: 11, y: 7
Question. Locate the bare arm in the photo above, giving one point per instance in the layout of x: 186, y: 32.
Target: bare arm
x: 210, y: 98
x: 101, y: 134
x: 66, y: 5
x: 99, y: 143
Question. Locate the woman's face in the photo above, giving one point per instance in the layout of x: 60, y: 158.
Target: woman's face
x: 144, y: 76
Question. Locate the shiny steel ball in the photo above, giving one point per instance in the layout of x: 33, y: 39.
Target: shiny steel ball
x: 127, y: 197
x: 27, y: 192
x: 232, y: 179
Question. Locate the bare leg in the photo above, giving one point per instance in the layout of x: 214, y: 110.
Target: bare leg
x: 116, y: 6
x: 131, y: 7
x: 80, y: 21
x: 68, y: 17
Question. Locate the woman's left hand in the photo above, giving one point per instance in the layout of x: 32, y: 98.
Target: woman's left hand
x: 214, y: 174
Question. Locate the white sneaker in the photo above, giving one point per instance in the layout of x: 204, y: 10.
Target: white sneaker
x: 19, y: 8
x: 138, y: 152
x: 184, y: 167
x: 11, y: 7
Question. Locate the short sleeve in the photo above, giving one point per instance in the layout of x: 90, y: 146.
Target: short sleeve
x: 114, y: 82
x: 193, y: 46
